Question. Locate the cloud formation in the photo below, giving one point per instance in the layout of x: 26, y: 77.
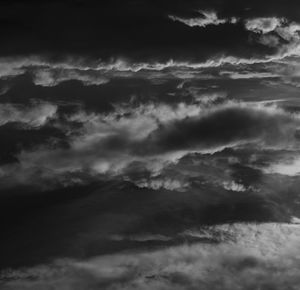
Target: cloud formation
x: 49, y: 78
x: 154, y: 136
x: 206, y: 18
x: 264, y: 25
x: 246, y: 256
x: 34, y: 116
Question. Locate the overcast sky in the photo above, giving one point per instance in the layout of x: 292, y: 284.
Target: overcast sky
x: 149, y: 144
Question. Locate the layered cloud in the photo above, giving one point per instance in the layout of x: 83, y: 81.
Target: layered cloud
x: 153, y: 136
x: 49, y: 77
x: 150, y: 160
x: 245, y: 256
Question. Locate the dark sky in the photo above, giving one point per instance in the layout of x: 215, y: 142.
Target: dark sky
x: 149, y: 144
x: 134, y: 29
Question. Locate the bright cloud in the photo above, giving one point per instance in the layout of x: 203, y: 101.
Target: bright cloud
x: 206, y: 18
x: 264, y: 25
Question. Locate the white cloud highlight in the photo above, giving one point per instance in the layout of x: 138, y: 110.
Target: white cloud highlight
x: 289, y: 168
x: 206, y: 18
x: 163, y: 183
x: 264, y: 25
x: 50, y: 78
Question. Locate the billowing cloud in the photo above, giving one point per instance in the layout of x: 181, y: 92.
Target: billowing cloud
x: 273, y: 30
x: 224, y: 125
x: 170, y: 161
x: 155, y: 136
x: 264, y: 25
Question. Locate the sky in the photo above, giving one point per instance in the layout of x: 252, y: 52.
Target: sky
x: 149, y: 144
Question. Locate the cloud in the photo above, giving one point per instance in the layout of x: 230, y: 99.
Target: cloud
x: 35, y: 116
x: 286, y: 167
x: 246, y: 256
x: 166, y: 183
x: 289, y: 32
x: 279, y: 34
x: 206, y: 18
x: 234, y: 186
x: 154, y: 136
x: 269, y: 40
x: 264, y: 25
x: 224, y: 125
x: 272, y: 31
x: 49, y: 78
x: 249, y: 75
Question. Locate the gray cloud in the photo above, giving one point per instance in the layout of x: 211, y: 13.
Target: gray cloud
x: 155, y: 136
x: 248, y: 256
x: 49, y: 77
x: 35, y: 115
x: 228, y: 124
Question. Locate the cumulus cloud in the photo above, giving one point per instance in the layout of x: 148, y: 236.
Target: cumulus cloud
x: 263, y: 25
x: 206, y: 18
x: 289, y: 32
x: 272, y: 31
x: 247, y: 256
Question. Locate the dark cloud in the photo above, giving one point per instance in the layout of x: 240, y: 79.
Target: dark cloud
x: 78, y: 221
x: 155, y: 142
x: 271, y: 251
x: 220, y: 127
x: 17, y: 138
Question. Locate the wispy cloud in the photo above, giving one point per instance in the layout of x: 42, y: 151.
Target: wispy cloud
x: 204, y: 19
x: 53, y: 77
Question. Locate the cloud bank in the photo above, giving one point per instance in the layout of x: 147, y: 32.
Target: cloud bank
x: 247, y: 256
x: 153, y: 136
